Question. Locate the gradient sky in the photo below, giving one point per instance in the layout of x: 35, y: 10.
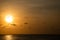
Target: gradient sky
x: 42, y: 16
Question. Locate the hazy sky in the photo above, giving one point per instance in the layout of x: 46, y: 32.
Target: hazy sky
x: 42, y: 16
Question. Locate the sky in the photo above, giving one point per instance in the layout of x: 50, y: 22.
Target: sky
x: 41, y: 16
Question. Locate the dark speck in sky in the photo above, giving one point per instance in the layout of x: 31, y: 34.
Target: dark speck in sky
x: 25, y: 23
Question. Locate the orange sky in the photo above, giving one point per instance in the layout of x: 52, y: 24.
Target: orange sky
x: 41, y: 16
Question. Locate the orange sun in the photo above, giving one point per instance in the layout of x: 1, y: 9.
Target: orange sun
x: 9, y: 18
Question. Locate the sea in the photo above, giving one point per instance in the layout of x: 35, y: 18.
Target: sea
x: 29, y: 37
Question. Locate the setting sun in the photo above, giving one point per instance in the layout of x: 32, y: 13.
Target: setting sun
x: 9, y: 18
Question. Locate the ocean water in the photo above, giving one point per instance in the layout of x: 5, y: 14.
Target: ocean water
x: 28, y: 37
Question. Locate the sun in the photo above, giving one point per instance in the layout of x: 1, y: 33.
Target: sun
x: 9, y: 18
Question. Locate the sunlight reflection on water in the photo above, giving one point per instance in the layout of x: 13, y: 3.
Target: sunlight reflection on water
x: 8, y: 37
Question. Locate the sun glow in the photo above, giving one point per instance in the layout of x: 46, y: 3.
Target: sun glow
x: 9, y: 18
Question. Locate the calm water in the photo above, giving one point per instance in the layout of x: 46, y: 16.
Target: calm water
x: 27, y: 37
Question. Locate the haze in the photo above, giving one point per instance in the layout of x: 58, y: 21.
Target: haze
x: 31, y: 16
